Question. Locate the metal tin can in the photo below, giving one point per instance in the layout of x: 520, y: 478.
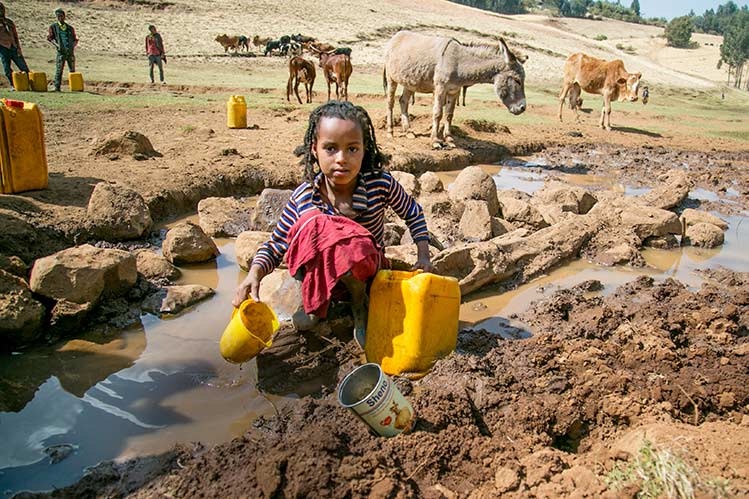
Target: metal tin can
x: 373, y: 397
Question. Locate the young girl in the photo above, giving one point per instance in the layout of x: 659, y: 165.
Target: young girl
x: 331, y: 230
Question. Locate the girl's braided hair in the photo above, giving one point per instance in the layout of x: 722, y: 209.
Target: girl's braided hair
x: 374, y: 159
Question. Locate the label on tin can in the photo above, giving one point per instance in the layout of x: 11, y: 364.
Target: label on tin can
x: 386, y: 410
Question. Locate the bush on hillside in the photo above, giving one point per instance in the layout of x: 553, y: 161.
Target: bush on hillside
x: 679, y: 32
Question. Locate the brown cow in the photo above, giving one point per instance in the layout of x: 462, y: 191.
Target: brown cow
x: 337, y: 69
x: 596, y: 76
x: 228, y: 42
x: 300, y: 71
x: 260, y: 42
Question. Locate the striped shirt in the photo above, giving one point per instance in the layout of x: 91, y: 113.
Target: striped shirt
x: 373, y: 194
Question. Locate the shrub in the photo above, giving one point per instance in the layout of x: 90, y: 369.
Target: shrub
x: 601, y: 38
x: 679, y: 32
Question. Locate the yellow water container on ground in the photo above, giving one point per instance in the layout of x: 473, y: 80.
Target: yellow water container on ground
x: 236, y: 112
x: 38, y: 81
x: 23, y: 158
x: 75, y: 80
x: 21, y: 81
x: 412, y: 321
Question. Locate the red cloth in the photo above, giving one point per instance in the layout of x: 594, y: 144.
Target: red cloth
x: 328, y: 246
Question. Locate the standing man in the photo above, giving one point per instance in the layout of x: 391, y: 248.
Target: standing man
x: 62, y: 36
x: 10, y: 47
x: 155, y: 52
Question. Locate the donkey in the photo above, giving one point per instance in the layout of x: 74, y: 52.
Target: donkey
x: 300, y: 71
x: 443, y: 66
x: 337, y: 69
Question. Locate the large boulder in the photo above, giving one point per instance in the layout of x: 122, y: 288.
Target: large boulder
x: 187, y: 243
x: 20, y: 314
x: 270, y: 205
x: 117, y: 213
x: 247, y: 245
x: 673, y: 189
x: 704, y: 235
x: 568, y: 197
x: 174, y: 299
x: 225, y: 217
x: 690, y: 217
x: 473, y: 183
x: 521, y: 214
x: 408, y: 181
x: 155, y: 267
x: 84, y: 274
x: 68, y: 317
x: 647, y: 221
x: 476, y: 222
x: 430, y: 182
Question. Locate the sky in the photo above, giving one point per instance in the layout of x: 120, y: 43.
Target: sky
x: 675, y: 8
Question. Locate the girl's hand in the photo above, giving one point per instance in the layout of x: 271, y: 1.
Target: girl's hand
x: 250, y: 286
x: 423, y: 260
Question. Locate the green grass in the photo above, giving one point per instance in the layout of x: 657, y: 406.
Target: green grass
x: 601, y: 38
x: 661, y: 473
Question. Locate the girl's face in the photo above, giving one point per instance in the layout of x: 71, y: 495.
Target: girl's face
x: 339, y: 148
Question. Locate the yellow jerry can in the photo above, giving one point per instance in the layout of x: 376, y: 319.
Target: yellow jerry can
x: 412, y: 320
x: 38, y: 81
x: 23, y: 158
x: 21, y: 81
x: 236, y: 112
x: 75, y: 81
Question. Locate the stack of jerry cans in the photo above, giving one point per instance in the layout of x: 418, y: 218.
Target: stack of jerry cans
x: 23, y: 157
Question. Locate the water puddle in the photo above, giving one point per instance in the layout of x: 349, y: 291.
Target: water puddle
x: 116, y: 395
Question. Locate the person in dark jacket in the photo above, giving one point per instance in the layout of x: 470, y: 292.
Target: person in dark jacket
x: 155, y: 52
x: 63, y: 37
x: 10, y: 47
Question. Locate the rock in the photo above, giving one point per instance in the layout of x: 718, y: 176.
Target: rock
x: 552, y: 214
x: 403, y: 257
x: 704, y: 235
x: 117, y: 213
x: 14, y: 265
x: 393, y: 234
x: 506, y: 479
x: 501, y: 226
x: 619, y: 254
x: 282, y: 293
x: 179, y: 298
x: 130, y: 143
x: 84, y: 274
x: 21, y: 315
x: 570, y: 198
x: 692, y: 217
x: 174, y: 299
x: 247, y: 245
x: 668, y: 241
x: 269, y: 207
x: 408, y: 181
x: 68, y: 317
x: 513, y: 194
x: 473, y: 183
x: 521, y: 214
x: 646, y: 221
x: 673, y: 190
x: 476, y: 222
x: 225, y: 217
x: 155, y: 267
x: 430, y: 182
x: 187, y: 243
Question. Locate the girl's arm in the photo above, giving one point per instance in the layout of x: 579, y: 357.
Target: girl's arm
x: 411, y: 212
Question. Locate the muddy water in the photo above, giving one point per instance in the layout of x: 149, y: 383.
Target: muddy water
x: 138, y: 392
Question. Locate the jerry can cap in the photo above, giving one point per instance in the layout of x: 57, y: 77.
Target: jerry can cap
x: 13, y: 103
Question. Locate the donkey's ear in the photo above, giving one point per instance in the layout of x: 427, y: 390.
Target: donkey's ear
x: 505, y: 51
x: 521, y: 58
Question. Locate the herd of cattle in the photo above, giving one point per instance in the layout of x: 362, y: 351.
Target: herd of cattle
x: 444, y: 67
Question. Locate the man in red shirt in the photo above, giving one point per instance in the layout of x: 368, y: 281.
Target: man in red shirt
x: 155, y: 52
x: 10, y: 47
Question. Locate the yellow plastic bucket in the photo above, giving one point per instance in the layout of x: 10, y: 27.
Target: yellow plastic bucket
x: 75, y: 81
x: 38, y: 81
x: 236, y: 112
x: 21, y: 81
x: 249, y: 331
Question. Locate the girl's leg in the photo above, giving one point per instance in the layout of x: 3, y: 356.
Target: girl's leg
x: 359, y: 306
